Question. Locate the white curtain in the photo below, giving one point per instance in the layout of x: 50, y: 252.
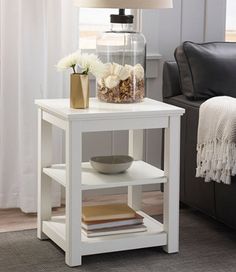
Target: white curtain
x: 34, y: 35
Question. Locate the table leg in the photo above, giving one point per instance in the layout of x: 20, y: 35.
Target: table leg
x: 44, y: 182
x: 73, y: 194
x: 136, y: 151
x: 171, y: 188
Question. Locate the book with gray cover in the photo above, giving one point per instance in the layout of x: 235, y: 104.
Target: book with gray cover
x: 94, y: 225
x: 114, y: 231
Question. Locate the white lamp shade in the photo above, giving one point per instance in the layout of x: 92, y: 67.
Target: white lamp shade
x: 123, y: 4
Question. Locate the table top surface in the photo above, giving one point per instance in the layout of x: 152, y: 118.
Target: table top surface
x: 100, y: 110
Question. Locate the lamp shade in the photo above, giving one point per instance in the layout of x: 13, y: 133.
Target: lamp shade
x: 123, y: 4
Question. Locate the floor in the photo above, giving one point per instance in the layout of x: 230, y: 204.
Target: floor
x: 205, y: 246
x: 14, y: 219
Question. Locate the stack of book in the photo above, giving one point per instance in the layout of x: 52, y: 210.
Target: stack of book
x: 111, y: 219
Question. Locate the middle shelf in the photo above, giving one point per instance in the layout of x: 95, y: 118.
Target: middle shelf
x: 140, y: 173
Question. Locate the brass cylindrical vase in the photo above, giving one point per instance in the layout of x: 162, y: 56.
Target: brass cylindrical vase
x: 79, y: 91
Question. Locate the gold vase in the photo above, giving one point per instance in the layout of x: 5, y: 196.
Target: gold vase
x: 79, y: 91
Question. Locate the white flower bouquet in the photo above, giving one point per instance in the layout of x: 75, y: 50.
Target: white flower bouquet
x: 82, y: 65
x: 87, y: 63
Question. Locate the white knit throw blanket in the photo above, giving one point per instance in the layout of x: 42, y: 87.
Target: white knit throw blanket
x: 216, y: 147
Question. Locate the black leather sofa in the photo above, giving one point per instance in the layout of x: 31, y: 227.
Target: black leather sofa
x: 214, y: 199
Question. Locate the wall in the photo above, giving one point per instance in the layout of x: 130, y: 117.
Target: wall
x: 195, y: 20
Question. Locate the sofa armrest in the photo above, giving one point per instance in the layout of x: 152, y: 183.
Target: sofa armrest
x: 171, y: 83
x: 194, y: 192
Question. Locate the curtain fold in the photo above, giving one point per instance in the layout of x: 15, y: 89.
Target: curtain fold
x: 34, y: 35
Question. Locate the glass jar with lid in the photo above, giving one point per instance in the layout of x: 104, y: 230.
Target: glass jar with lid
x: 123, y: 51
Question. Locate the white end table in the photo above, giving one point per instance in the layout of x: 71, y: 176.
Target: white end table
x: 76, y: 176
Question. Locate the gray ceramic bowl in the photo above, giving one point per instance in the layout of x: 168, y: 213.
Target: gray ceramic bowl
x: 111, y: 164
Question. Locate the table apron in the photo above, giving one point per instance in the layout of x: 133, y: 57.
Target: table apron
x: 110, y: 124
x: 123, y: 124
x: 54, y: 120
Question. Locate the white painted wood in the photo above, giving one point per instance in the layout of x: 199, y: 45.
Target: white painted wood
x: 215, y: 20
x: 168, y: 25
x: 154, y: 236
x: 136, y: 139
x: 44, y: 184
x: 108, y: 111
x: 55, y: 231
x: 73, y: 194
x: 74, y: 244
x: 57, y: 172
x: 193, y: 20
x: 124, y: 124
x: 140, y: 173
x: 152, y: 69
x: 135, y: 197
x: 171, y: 188
x: 54, y: 120
x: 154, y: 56
x: 150, y: 30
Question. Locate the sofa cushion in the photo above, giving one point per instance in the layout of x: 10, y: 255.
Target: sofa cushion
x: 183, y: 101
x: 207, y: 70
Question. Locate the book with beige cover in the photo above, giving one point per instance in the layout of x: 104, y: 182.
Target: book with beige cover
x: 107, y: 212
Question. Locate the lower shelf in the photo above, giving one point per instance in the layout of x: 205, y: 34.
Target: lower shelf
x: 154, y: 236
